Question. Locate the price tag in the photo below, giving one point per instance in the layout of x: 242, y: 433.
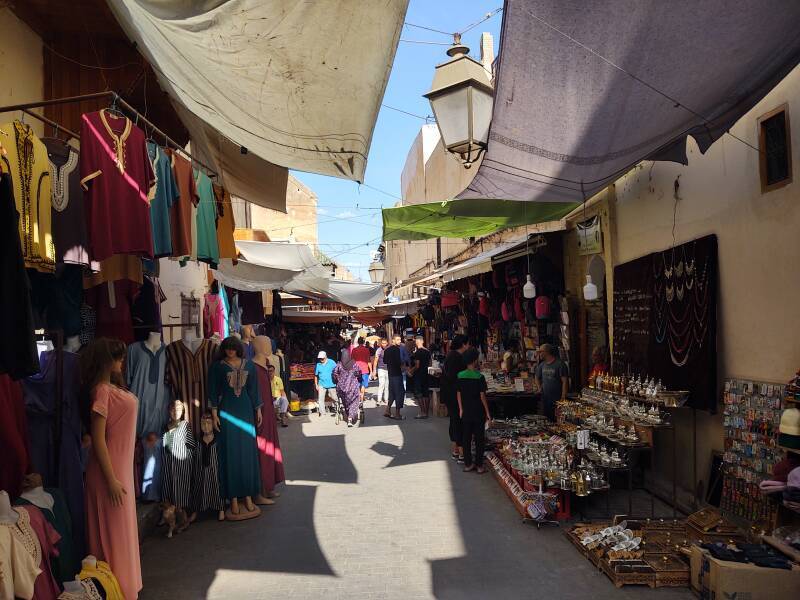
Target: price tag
x: 519, y: 384
x: 583, y: 439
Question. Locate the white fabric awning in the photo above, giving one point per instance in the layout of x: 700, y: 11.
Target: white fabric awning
x: 293, y: 268
x: 311, y: 316
x: 403, y: 308
x: 297, y: 82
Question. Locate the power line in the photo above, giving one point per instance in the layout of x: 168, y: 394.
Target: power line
x: 407, y: 24
x: 426, y: 42
x: 486, y: 17
x: 391, y: 195
x: 410, y: 114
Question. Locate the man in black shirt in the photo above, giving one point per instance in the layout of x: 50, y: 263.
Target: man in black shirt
x: 453, y: 365
x: 394, y: 365
x: 474, y: 410
x: 420, y: 361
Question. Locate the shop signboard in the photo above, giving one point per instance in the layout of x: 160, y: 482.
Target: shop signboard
x: 590, y: 238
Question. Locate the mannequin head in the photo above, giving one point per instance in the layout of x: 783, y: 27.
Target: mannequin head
x: 207, y: 424
x: 247, y: 333
x: 100, y: 362
x: 262, y: 345
x: 269, y: 345
x: 177, y: 411
x: 230, y: 348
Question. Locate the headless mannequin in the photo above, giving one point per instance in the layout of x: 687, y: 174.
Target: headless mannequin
x: 247, y: 335
x: 272, y: 358
x: 73, y: 587
x: 73, y: 344
x: 90, y: 562
x: 7, y: 514
x: 262, y: 348
x: 191, y: 341
x: 35, y: 494
x: 153, y: 341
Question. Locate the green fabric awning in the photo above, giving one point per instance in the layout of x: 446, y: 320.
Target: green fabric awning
x: 467, y: 218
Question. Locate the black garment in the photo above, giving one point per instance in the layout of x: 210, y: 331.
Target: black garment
x: 18, y: 359
x: 470, y: 385
x: 56, y: 298
x: 252, y: 307
x: 393, y: 361
x: 456, y: 429
x: 453, y: 365
x: 397, y: 392
x: 474, y: 430
x: 421, y: 384
x: 146, y: 309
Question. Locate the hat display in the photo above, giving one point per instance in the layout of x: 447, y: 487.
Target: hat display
x: 790, y: 429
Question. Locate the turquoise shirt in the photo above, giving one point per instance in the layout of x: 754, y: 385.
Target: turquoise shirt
x: 166, y: 195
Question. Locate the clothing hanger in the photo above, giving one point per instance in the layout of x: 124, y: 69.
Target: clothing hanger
x: 114, y: 110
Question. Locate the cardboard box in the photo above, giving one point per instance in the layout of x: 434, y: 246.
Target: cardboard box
x: 720, y: 580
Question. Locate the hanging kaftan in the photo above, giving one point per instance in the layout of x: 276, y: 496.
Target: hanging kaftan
x: 234, y: 393
x: 206, y: 220
x: 187, y: 375
x: 145, y: 371
x: 68, y: 218
x: 27, y: 164
x: 166, y: 194
x: 269, y: 446
x: 117, y: 175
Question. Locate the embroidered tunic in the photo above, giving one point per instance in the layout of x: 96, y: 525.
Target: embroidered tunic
x: 234, y: 393
x: 68, y: 217
x: 27, y: 163
x: 117, y: 175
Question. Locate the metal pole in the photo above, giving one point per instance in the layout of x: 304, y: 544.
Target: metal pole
x: 674, y: 476
x: 67, y: 100
x: 50, y: 122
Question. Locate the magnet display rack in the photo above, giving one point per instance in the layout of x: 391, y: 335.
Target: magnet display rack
x: 751, y: 419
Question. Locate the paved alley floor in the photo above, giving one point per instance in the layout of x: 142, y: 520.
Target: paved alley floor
x: 376, y: 512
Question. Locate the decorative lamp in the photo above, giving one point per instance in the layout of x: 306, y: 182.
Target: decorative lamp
x: 376, y: 271
x: 461, y: 97
x: 529, y: 289
x: 590, y: 289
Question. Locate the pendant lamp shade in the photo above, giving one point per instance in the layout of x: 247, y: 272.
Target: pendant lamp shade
x: 590, y: 289
x: 529, y: 289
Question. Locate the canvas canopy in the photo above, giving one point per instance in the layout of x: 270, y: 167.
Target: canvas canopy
x: 467, y: 218
x: 293, y: 268
x: 585, y: 90
x: 298, y: 83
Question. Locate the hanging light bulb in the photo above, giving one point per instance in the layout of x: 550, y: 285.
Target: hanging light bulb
x: 590, y: 289
x: 529, y: 289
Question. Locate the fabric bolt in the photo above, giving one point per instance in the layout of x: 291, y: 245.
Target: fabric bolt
x: 166, y: 194
x: 145, y: 373
x: 112, y: 305
x: 234, y: 393
x: 40, y: 407
x: 67, y: 562
x: 112, y: 531
x: 213, y: 316
x: 27, y: 164
x: 208, y: 495
x: 187, y: 376
x: 270, y: 457
x: 46, y: 587
x: 180, y: 215
x: 146, y: 308
x: 225, y: 224
x: 20, y: 548
x: 117, y: 175
x: 20, y: 358
x: 68, y: 218
x: 178, y: 449
x: 207, y: 247
x: 348, y: 388
x: 14, y: 451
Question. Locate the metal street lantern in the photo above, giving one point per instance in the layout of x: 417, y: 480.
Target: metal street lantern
x: 461, y: 99
x: 376, y: 271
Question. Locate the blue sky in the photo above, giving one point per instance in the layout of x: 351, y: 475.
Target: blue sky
x: 348, y: 215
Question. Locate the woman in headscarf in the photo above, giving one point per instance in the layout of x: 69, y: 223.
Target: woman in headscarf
x: 347, y: 376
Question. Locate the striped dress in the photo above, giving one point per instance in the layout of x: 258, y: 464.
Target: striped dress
x: 187, y: 376
x: 178, y: 466
x: 208, y: 495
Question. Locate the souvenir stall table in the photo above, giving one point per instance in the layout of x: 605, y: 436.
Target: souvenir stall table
x: 301, y: 382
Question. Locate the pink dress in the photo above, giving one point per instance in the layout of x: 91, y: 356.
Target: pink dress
x: 111, y: 531
x: 270, y: 458
x: 213, y: 316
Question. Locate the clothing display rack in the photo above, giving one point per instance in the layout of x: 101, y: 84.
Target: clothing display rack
x: 115, y: 100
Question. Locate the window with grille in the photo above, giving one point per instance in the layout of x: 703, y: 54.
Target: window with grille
x: 190, y: 313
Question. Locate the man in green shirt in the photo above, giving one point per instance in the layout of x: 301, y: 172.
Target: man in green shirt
x: 474, y: 411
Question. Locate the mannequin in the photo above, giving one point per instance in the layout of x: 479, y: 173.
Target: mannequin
x: 7, y: 514
x: 177, y: 464
x: 73, y: 587
x: 38, y: 497
x: 273, y: 359
x: 153, y: 341
x: 270, y: 457
x: 247, y: 337
x: 190, y: 340
x: 73, y: 344
x: 209, y: 495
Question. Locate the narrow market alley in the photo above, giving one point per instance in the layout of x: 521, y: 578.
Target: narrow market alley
x: 376, y: 512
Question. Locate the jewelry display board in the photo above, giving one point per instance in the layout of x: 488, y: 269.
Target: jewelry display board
x: 665, y: 322
x: 752, y: 419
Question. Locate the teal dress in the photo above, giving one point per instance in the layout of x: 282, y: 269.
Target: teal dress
x: 234, y: 393
x: 207, y: 244
x: 166, y: 195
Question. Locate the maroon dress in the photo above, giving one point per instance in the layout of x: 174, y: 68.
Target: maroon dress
x: 117, y: 175
x: 269, y: 447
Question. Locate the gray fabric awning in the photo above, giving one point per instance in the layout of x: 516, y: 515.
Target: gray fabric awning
x: 585, y: 90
